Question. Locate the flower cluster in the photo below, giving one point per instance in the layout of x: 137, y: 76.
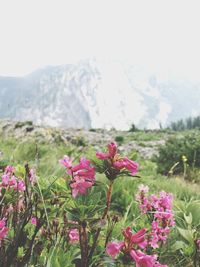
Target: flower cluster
x: 9, y: 180
x: 3, y: 230
x: 117, y: 162
x: 82, y: 175
x: 131, y: 247
x: 159, y: 211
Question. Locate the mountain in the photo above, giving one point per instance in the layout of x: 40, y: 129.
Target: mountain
x: 97, y: 94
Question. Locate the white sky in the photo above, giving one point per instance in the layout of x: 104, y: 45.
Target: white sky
x: 161, y: 34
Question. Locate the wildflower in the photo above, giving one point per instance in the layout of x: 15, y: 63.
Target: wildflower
x: 184, y: 159
x: 82, y: 175
x: 114, y: 248
x: 159, y: 210
x: 66, y: 162
x: 131, y: 241
x: 73, y: 236
x: 79, y: 186
x: 9, y: 180
x: 3, y: 230
x: 117, y: 162
x: 34, y: 220
x: 131, y: 245
x: 9, y: 169
x: 142, y: 259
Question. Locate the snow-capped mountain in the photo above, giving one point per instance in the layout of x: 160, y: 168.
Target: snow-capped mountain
x: 96, y: 94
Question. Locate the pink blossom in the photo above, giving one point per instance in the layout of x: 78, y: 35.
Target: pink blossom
x: 116, y: 161
x: 114, y: 248
x: 10, y: 181
x: 112, y: 151
x: 79, y: 186
x: 142, y: 260
x: 34, y: 220
x: 125, y: 163
x: 66, y: 162
x: 161, y: 215
x: 131, y: 241
x: 73, y: 236
x: 82, y: 174
x: 5, y: 179
x: 20, y: 186
x: 137, y: 238
x: 9, y: 169
x: 101, y: 155
x: 130, y: 246
x: 84, y: 164
x: 3, y: 229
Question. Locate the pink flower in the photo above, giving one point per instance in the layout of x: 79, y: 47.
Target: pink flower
x: 130, y: 246
x: 112, y: 150
x: 9, y: 180
x: 9, y: 169
x: 116, y: 161
x: 66, y: 162
x: 141, y: 259
x: 20, y: 186
x: 131, y: 241
x: 79, y: 186
x: 73, y: 236
x: 144, y: 260
x: 3, y: 229
x: 34, y: 220
x: 5, y: 179
x: 125, y: 163
x: 114, y: 248
x: 84, y: 169
x: 82, y: 174
x: 160, y: 213
x: 134, y: 239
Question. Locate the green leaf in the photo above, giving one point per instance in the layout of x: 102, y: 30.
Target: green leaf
x: 186, y: 234
x: 188, y: 218
x: 178, y: 245
x: 20, y: 171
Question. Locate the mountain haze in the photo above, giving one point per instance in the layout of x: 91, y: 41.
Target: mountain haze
x: 96, y: 94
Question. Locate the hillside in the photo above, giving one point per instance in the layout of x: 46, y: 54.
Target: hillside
x: 96, y: 94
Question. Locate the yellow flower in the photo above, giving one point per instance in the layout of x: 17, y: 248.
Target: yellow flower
x: 184, y: 159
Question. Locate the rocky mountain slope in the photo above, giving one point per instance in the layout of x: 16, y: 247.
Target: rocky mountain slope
x: 95, y: 94
x: 145, y: 143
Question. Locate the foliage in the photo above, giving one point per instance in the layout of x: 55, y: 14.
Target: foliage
x: 56, y: 242
x: 187, y: 124
x: 119, y: 139
x: 187, y: 145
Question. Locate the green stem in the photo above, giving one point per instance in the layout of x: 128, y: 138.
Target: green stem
x: 108, y: 202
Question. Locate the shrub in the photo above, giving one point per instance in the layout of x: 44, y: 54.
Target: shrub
x: 119, y: 139
x: 133, y: 128
x: 173, y: 151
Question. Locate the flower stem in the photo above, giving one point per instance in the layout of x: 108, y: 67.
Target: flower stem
x: 108, y: 202
x: 83, y: 244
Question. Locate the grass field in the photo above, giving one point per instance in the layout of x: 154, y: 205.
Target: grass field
x: 42, y: 155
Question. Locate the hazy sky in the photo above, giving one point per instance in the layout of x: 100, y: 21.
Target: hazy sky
x: 162, y: 34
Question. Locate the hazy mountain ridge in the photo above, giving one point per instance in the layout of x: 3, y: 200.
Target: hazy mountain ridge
x: 97, y: 94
